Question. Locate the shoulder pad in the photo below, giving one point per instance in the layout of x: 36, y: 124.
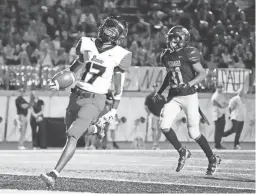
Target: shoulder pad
x: 85, y: 43
x: 193, y: 54
x: 121, y: 49
x: 164, y: 52
x: 123, y: 57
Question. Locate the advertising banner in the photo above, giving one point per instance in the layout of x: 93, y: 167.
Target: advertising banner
x: 149, y: 76
x: 137, y: 123
x: 133, y: 109
x: 132, y: 79
x: 233, y: 79
x: 143, y: 78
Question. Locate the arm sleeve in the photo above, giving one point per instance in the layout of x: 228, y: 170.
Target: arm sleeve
x: 126, y: 62
x: 75, y: 66
x: 82, y: 56
x: 164, y: 84
x: 78, y: 47
x: 118, y: 79
x: 194, y: 55
x: 77, y: 62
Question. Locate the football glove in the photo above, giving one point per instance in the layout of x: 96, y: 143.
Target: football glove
x: 184, y: 85
x: 108, y: 117
x: 157, y: 97
x: 54, y: 85
x: 96, y: 129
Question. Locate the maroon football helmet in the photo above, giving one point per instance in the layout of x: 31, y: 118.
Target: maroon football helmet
x: 177, y: 37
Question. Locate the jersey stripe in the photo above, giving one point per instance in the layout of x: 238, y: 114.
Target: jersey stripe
x: 78, y: 47
x: 75, y: 65
x: 119, y: 85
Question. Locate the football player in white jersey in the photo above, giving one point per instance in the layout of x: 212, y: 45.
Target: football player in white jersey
x: 98, y: 59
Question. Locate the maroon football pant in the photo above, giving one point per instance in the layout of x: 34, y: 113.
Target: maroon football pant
x: 81, y: 112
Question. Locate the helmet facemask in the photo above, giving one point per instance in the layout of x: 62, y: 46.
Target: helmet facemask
x: 177, y: 38
x: 174, y: 42
x: 111, y: 30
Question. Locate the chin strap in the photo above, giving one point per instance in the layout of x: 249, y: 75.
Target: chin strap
x: 98, y: 42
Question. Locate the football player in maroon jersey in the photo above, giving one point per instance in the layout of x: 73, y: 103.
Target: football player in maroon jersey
x: 184, y: 71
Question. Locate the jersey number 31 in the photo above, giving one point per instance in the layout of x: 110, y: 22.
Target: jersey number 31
x: 92, y: 72
x: 176, y: 77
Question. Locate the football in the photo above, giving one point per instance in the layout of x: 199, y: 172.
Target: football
x: 64, y: 78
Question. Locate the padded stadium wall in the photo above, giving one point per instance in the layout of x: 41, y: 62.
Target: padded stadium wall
x: 131, y: 107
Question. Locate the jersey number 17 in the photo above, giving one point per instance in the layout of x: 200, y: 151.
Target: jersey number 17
x: 92, y: 72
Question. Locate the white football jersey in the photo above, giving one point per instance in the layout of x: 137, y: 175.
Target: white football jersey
x: 96, y: 75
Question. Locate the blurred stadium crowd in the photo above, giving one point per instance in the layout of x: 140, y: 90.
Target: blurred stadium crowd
x: 38, y: 37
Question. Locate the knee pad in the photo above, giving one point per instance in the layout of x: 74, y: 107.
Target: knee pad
x: 194, y: 132
x: 168, y: 115
x: 165, y: 130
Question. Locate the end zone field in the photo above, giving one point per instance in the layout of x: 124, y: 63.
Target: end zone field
x: 127, y: 171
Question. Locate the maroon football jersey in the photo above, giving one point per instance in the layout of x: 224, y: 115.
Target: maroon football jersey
x: 179, y: 66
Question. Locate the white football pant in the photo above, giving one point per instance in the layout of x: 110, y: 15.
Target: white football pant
x: 190, y: 106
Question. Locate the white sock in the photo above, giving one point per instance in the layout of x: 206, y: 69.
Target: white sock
x: 56, y: 172
x: 95, y: 129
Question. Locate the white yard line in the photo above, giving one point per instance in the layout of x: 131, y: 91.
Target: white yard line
x: 15, y: 191
x: 158, y: 182
x: 123, y: 164
x: 97, y: 153
x: 120, y: 151
x: 148, y: 182
x: 171, y: 183
x: 120, y: 163
x: 128, y: 157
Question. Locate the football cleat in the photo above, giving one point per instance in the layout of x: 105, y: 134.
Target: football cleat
x: 49, y: 179
x: 214, y: 161
x: 184, y: 155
